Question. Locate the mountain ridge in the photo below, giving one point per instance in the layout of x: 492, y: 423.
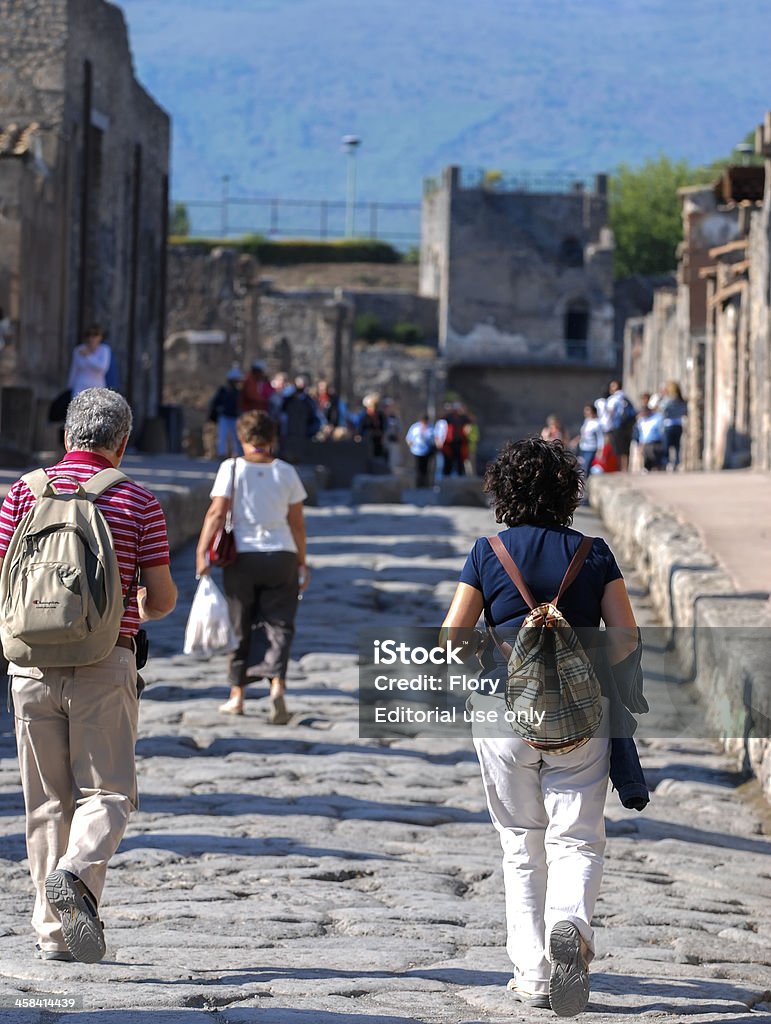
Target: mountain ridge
x: 263, y: 91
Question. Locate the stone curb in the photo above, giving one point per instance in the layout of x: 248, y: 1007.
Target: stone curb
x: 717, y: 639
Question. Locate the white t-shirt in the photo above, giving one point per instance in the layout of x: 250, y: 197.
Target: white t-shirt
x: 264, y: 492
x: 89, y: 369
x: 591, y: 434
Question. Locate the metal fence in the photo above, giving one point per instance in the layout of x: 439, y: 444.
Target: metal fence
x: 521, y: 181
x: 525, y: 181
x: 275, y: 218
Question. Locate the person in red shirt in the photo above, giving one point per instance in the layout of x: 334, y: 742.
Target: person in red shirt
x: 76, y: 727
x: 256, y: 390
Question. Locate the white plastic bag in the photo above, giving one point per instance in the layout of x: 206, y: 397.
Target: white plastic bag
x: 208, y: 629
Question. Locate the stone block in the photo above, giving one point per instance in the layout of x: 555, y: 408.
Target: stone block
x: 689, y: 590
x: 376, y: 490
x: 461, y: 490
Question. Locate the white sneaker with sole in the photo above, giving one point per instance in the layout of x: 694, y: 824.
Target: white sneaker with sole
x: 569, y: 981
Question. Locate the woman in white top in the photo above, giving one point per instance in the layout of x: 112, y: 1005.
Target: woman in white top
x: 262, y: 586
x: 90, y: 362
x: 589, y: 439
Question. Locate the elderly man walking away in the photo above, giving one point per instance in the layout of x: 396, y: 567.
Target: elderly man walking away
x: 76, y: 724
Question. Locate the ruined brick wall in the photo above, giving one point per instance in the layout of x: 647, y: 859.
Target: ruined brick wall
x: 391, y: 308
x: 33, y: 44
x: 511, y: 402
x: 292, y: 330
x: 45, y: 51
x: 510, y: 265
x: 653, y: 350
x: 759, y: 326
x: 33, y: 41
x: 127, y: 197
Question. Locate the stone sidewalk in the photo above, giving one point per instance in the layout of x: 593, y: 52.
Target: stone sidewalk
x: 730, y: 511
x: 702, y: 545
x: 302, y: 875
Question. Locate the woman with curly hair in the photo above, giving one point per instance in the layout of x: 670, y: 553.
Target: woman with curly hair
x: 546, y: 807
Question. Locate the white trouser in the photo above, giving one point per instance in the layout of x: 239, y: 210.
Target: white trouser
x: 548, y: 811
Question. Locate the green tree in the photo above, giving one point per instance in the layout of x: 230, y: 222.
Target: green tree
x: 645, y: 214
x: 645, y: 211
x: 179, y: 220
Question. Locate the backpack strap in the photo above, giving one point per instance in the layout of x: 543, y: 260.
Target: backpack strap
x: 102, y: 481
x: 575, y: 567
x: 38, y: 481
x: 508, y: 563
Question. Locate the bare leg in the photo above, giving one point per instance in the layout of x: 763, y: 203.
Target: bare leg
x: 234, y: 705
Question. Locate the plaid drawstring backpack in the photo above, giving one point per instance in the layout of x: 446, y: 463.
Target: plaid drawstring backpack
x: 552, y: 691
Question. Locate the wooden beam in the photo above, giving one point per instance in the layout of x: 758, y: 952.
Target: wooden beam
x: 708, y: 271
x: 728, y: 292
x: 720, y: 250
x: 738, y: 268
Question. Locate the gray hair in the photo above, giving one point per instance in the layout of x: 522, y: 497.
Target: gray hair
x: 97, y: 418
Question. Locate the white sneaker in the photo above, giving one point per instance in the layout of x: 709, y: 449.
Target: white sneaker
x: 569, y: 981
x: 538, y: 999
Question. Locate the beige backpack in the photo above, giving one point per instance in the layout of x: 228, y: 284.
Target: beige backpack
x: 61, y: 599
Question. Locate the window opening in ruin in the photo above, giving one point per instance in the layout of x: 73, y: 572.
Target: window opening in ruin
x: 571, y: 252
x: 577, y: 329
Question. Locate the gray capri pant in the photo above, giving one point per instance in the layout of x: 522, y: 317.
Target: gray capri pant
x: 262, y: 590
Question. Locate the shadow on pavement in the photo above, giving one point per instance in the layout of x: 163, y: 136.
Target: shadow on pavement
x: 659, y: 990
x: 650, y: 829
x: 195, y: 845
x: 338, y: 807
x: 401, y: 549
x: 371, y: 524
x: 185, y: 746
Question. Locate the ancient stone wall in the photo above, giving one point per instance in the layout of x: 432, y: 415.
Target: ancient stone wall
x: 759, y: 326
x: 103, y: 171
x: 511, y: 402
x: 511, y: 268
x: 652, y: 350
x: 391, y: 308
x: 33, y: 44
x: 221, y: 312
x: 127, y: 197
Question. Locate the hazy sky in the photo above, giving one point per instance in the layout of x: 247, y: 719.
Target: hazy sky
x: 263, y: 90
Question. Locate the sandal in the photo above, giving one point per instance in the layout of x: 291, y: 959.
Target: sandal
x: 280, y: 714
x: 232, y: 706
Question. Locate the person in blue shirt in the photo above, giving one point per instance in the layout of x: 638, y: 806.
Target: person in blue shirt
x: 420, y: 441
x: 546, y: 807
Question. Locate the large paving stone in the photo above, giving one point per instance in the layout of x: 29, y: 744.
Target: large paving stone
x: 367, y: 489
x: 460, y: 490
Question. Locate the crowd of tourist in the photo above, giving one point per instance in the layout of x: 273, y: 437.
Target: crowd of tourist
x: 300, y: 411
x: 616, y: 435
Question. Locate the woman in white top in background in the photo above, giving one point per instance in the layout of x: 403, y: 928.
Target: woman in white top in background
x: 589, y: 439
x: 90, y: 362
x: 262, y: 586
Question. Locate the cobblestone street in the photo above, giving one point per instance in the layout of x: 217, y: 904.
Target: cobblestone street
x: 301, y: 875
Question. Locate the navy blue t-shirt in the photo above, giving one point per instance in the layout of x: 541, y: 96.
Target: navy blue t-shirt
x: 542, y: 554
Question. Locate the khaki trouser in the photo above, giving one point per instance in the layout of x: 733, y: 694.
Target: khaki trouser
x: 76, y: 731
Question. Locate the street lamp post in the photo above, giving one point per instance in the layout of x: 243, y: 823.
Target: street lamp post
x: 351, y: 143
x: 225, y: 198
